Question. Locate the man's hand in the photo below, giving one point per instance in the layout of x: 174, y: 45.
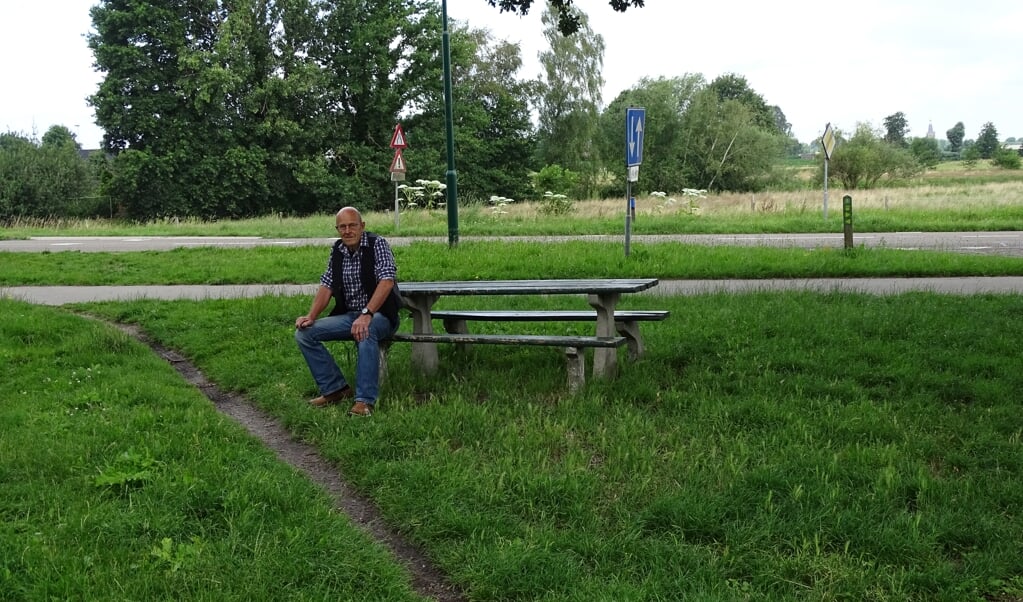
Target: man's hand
x: 360, y: 327
x: 303, y: 322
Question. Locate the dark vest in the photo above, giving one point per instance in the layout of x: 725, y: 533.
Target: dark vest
x: 369, y: 282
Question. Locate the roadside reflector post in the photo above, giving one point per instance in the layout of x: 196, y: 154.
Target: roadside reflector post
x: 847, y: 225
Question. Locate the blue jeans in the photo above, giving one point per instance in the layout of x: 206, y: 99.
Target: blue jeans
x: 321, y: 363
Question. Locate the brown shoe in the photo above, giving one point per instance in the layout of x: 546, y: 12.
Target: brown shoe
x: 331, y: 398
x: 361, y: 408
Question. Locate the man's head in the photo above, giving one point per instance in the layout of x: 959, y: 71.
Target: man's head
x: 350, y: 226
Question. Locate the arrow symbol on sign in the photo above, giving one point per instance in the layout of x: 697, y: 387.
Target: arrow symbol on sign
x: 635, y: 134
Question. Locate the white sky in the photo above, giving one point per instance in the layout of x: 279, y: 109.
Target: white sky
x: 937, y: 61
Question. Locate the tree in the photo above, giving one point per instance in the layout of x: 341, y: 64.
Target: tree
x: 896, y: 128
x: 568, y: 20
x: 693, y: 139
x: 926, y: 151
x: 987, y: 141
x: 665, y: 163
x: 223, y: 109
x: 47, y: 179
x: 493, y: 132
x: 735, y: 87
x: 569, y: 100
x: 865, y: 159
x: 955, y: 137
x: 728, y: 145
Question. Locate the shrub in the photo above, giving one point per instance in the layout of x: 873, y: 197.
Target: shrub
x: 555, y: 179
x: 1007, y: 159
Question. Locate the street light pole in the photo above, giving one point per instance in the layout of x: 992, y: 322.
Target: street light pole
x: 449, y: 119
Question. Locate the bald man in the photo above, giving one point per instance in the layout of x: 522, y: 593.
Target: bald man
x: 361, y: 277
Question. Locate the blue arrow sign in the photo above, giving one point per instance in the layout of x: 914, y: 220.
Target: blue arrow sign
x: 635, y: 123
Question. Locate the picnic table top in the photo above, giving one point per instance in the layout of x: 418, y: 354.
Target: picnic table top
x: 528, y: 287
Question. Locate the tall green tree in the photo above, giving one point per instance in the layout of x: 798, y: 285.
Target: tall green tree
x: 494, y: 136
x: 569, y: 101
x: 955, y: 136
x: 694, y: 138
x: 222, y: 108
x: 987, y: 142
x: 896, y: 127
x: 731, y: 86
x: 729, y: 146
x: 377, y: 58
x: 666, y: 161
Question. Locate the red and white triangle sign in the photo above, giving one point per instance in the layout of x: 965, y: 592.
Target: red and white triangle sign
x: 398, y: 164
x: 398, y: 139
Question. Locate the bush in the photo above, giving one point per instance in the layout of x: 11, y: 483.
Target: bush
x: 1007, y: 159
x: 555, y: 179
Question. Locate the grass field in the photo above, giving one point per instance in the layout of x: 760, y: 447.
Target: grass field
x: 769, y: 446
x: 772, y: 446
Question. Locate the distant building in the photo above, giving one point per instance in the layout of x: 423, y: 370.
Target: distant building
x: 1016, y: 147
x: 930, y: 130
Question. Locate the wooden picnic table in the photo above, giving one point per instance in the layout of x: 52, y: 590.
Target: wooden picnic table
x: 601, y: 293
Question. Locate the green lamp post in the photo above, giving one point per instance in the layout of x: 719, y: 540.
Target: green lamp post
x: 451, y: 175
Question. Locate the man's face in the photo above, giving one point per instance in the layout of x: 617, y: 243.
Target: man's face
x: 349, y: 228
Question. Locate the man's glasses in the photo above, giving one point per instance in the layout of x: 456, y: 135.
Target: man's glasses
x: 343, y: 227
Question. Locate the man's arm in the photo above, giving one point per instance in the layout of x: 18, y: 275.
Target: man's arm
x: 383, y: 289
x: 320, y: 302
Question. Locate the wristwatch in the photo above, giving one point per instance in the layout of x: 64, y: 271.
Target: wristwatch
x: 367, y: 312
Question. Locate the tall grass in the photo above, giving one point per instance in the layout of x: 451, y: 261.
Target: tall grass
x: 945, y: 199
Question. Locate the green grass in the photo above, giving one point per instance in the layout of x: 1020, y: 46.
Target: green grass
x: 492, y: 260
x: 769, y: 446
x: 119, y: 481
x: 784, y: 446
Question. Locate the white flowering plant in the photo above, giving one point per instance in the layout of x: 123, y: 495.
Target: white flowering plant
x: 427, y: 194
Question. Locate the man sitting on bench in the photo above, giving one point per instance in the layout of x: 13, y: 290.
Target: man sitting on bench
x: 360, y: 275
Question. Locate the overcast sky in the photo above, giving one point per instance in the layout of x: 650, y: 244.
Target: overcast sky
x: 937, y: 61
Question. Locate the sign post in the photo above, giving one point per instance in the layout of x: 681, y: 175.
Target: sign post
x: 828, y: 142
x: 635, y: 124
x: 397, y: 168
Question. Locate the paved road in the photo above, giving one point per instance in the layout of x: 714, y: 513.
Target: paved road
x: 1001, y: 243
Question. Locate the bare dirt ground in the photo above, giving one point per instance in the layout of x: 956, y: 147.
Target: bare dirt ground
x: 427, y: 580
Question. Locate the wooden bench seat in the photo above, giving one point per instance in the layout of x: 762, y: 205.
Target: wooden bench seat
x: 572, y: 346
x: 626, y: 322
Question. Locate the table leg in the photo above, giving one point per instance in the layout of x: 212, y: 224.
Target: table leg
x: 424, y: 355
x: 605, y: 360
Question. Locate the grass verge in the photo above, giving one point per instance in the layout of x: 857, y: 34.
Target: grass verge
x: 424, y: 261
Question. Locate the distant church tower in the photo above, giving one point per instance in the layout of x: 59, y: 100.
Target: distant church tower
x: 930, y: 130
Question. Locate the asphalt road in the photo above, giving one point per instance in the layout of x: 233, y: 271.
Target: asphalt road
x: 1000, y: 243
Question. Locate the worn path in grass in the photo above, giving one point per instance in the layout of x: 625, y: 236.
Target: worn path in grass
x: 427, y: 580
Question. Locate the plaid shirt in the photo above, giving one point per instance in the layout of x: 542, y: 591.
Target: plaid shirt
x: 384, y: 268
